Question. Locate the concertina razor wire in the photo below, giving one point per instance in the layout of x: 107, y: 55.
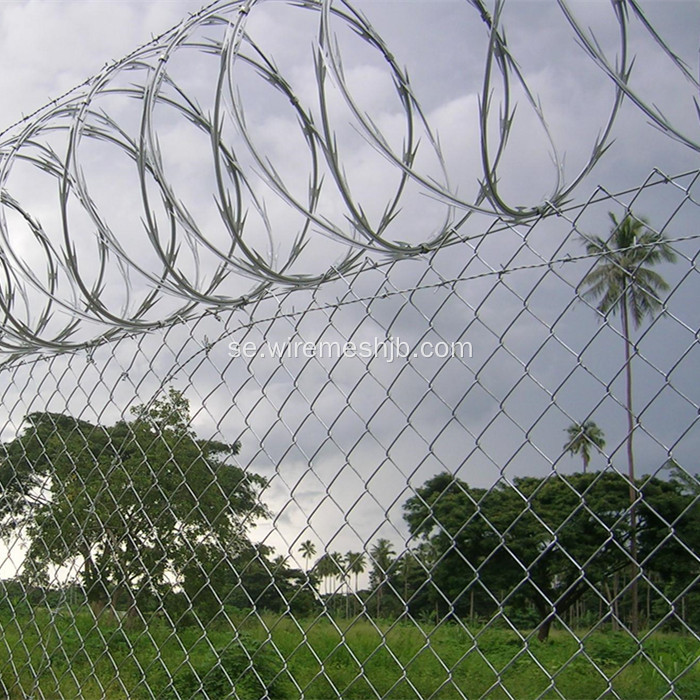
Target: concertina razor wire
x: 232, y: 468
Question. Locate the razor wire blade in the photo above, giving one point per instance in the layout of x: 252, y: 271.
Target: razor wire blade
x: 151, y: 190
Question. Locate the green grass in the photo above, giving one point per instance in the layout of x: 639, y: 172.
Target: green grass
x: 71, y: 655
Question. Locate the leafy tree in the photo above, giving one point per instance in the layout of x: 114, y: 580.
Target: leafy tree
x: 691, y: 484
x: 623, y: 281
x: 581, y: 438
x: 413, y: 578
x: 247, y: 578
x: 129, y: 504
x: 329, y: 566
x: 543, y: 542
x: 337, y: 567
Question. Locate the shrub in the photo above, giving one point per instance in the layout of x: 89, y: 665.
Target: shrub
x: 243, y: 669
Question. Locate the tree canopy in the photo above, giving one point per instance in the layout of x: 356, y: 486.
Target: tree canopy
x: 546, y: 541
x: 128, y: 505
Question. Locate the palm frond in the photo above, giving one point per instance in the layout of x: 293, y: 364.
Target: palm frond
x: 622, y: 274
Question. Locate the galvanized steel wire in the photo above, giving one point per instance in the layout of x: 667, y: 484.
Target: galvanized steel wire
x: 65, y: 293
x: 98, y: 319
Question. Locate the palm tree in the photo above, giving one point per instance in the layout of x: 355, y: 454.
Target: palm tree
x: 355, y: 564
x: 307, y: 550
x: 583, y: 436
x: 622, y: 280
x: 382, y: 558
x: 338, y: 566
x: 279, y: 563
x: 338, y: 572
x: 325, y: 569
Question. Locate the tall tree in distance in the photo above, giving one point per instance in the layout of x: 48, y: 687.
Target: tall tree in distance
x: 356, y: 565
x: 382, y: 555
x: 622, y: 280
x: 338, y: 568
x: 307, y: 549
x: 325, y: 569
x: 581, y: 438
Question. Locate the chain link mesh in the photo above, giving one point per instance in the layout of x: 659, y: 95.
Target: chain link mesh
x: 456, y: 465
x: 477, y: 359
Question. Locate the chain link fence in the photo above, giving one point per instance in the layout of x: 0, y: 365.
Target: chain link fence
x: 397, y: 484
x: 458, y: 462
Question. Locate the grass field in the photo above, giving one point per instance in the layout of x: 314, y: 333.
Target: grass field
x: 72, y: 656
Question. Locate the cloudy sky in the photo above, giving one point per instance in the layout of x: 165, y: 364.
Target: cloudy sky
x: 371, y: 430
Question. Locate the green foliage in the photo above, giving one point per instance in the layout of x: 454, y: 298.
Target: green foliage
x: 382, y: 559
x: 75, y: 656
x: 246, y: 577
x: 132, y: 501
x: 622, y: 278
x: 544, y: 542
x: 581, y: 438
x: 242, y: 669
x: 307, y: 549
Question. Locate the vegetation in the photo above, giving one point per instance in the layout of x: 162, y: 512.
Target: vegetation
x: 623, y: 281
x: 129, y: 506
x: 207, y: 606
x: 307, y: 550
x: 169, y: 588
x: 539, y: 546
x: 68, y: 653
x: 581, y: 438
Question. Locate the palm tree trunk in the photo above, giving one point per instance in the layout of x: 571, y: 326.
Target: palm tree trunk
x: 634, y: 587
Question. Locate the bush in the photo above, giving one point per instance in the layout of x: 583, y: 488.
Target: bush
x: 229, y: 673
